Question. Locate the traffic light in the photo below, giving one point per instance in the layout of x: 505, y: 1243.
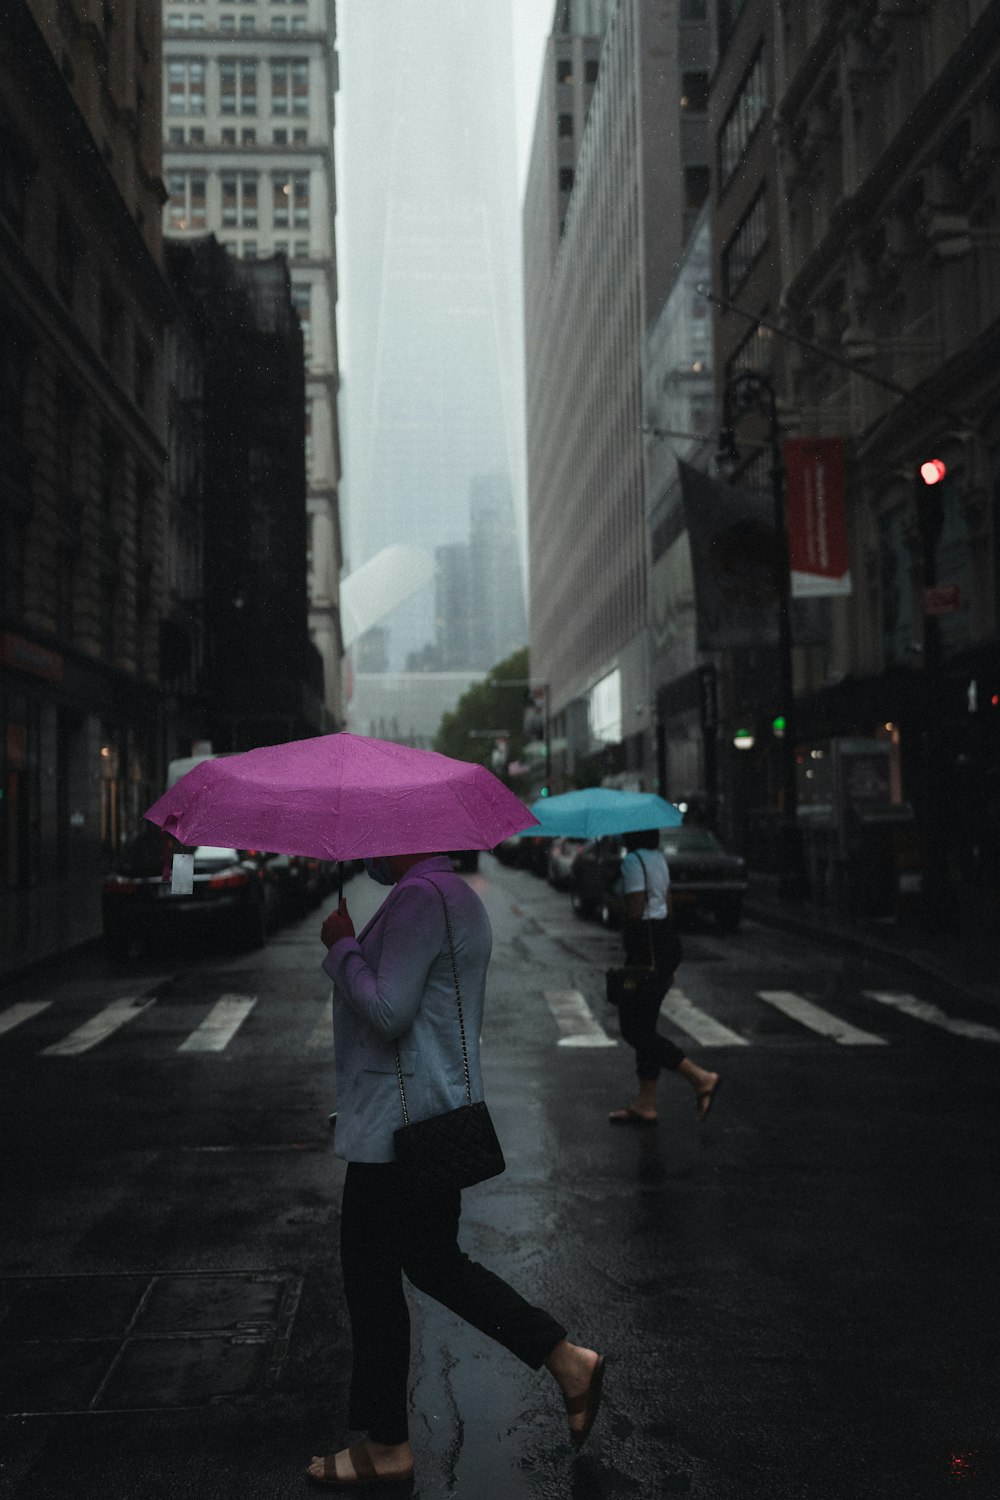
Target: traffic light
x: 778, y: 726
x: 544, y: 792
x: 932, y: 471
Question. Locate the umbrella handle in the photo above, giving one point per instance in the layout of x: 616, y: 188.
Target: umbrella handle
x: 340, y: 881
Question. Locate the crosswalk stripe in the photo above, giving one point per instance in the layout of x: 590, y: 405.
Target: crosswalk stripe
x: 14, y: 1015
x: 807, y: 1014
x: 575, y: 1020
x: 107, y: 1021
x: 923, y: 1010
x: 705, y: 1029
x: 220, y: 1025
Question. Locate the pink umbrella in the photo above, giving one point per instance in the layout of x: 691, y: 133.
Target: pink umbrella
x: 340, y: 796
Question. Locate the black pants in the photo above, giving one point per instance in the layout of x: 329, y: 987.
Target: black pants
x: 645, y: 941
x: 385, y: 1231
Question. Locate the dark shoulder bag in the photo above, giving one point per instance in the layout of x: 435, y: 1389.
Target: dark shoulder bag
x: 626, y: 982
x: 460, y: 1147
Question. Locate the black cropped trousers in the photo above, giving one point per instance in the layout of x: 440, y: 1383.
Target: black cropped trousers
x: 655, y: 944
x: 386, y: 1232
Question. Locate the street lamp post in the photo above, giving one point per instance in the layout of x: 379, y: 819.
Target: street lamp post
x: 746, y: 391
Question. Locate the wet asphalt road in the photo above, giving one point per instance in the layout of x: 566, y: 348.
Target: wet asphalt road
x: 798, y: 1298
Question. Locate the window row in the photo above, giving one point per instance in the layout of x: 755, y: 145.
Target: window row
x: 194, y: 135
x: 237, y: 79
x: 744, y: 116
x: 178, y: 21
x: 240, y: 195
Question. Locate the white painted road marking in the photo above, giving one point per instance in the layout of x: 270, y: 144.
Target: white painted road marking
x: 14, y: 1015
x: 109, y: 1020
x: 220, y: 1025
x: 923, y: 1010
x: 810, y: 1015
x: 575, y: 1020
x: 704, y: 1029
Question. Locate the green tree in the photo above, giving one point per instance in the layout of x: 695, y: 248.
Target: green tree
x: 488, y: 705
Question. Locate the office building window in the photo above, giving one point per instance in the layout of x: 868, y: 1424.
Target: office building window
x: 280, y: 137
x: 280, y: 88
x: 187, y: 201
x: 301, y: 249
x: 186, y: 86
x: 228, y: 136
x: 238, y: 87
x: 248, y: 136
x: 590, y: 70
x: 239, y: 199
x: 290, y: 200
x: 299, y: 137
x: 694, y: 92
x: 227, y: 23
x: 196, y: 135
x: 745, y: 245
x: 564, y: 70
x: 696, y: 185
x: 565, y: 179
x: 298, y: 23
x: 279, y: 23
x: 248, y: 23
x: 281, y: 247
x: 565, y: 125
x: 742, y: 118
x: 249, y: 249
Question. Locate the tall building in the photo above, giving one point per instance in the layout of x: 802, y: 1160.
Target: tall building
x: 888, y: 134
x: 248, y: 155
x: 598, y: 265
x: 498, y: 621
x: 83, y: 306
x: 433, y: 396
x: 260, y: 680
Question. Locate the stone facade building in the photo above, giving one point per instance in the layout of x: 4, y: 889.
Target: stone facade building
x: 249, y: 94
x: 83, y: 306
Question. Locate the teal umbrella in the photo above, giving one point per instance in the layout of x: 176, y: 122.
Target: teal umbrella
x: 599, y: 810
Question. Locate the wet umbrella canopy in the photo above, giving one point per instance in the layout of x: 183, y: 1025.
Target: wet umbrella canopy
x: 340, y: 796
x: 599, y: 810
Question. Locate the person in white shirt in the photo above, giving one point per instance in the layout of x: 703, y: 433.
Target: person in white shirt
x: 651, y: 939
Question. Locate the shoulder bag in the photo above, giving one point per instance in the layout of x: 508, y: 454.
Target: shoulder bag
x: 460, y: 1147
x: 625, y: 982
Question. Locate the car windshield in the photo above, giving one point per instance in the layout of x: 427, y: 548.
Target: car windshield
x: 689, y: 841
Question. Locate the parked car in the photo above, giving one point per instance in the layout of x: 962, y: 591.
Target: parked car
x: 562, y: 853
x: 703, y: 877
x: 232, y: 896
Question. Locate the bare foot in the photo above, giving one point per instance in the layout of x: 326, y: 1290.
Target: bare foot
x: 705, y: 1093
x: 385, y: 1460
x: 573, y: 1368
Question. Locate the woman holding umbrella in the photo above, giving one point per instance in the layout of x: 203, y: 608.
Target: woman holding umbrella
x: 396, y: 984
x: 650, y: 941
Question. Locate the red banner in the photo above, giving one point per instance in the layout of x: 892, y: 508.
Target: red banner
x: 817, y: 529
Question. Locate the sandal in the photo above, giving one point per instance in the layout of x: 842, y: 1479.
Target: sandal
x: 703, y: 1102
x: 630, y: 1116
x: 365, y: 1472
x: 588, y: 1401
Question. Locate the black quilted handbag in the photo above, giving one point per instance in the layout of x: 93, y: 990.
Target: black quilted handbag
x: 460, y: 1147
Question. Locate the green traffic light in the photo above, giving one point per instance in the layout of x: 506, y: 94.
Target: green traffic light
x: 778, y: 724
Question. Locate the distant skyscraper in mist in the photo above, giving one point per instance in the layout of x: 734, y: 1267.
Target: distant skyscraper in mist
x: 498, y: 622
x: 430, y: 238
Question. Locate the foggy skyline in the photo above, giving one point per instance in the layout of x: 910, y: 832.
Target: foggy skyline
x: 429, y: 227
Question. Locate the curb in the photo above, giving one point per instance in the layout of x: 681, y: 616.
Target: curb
x: 866, y: 947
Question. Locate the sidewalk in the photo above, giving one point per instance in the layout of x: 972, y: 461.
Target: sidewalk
x: 967, y: 966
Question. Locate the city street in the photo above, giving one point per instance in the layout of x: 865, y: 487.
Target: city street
x: 798, y: 1298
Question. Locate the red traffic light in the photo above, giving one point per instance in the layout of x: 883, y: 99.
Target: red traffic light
x: 932, y: 471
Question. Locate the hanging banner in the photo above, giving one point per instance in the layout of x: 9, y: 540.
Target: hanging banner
x: 817, y: 529
x: 734, y: 557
